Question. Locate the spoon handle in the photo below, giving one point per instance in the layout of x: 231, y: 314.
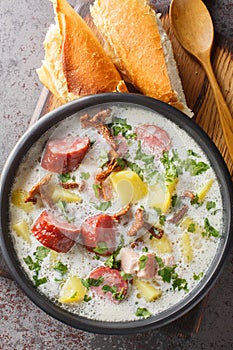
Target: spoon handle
x: 223, y: 110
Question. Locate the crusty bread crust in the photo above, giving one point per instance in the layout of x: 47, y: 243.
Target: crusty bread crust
x: 75, y: 63
x: 130, y: 29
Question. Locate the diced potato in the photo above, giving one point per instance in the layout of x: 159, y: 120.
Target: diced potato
x: 205, y: 189
x: 172, y: 185
x: 22, y: 230
x: 17, y: 198
x: 147, y: 290
x: 162, y: 245
x: 159, y: 197
x: 53, y: 255
x: 186, y: 248
x: 62, y: 194
x: 188, y: 222
x: 128, y: 185
x: 72, y: 291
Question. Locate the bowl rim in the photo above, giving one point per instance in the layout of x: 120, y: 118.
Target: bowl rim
x: 56, y: 116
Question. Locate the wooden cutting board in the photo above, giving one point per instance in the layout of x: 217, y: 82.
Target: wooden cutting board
x: 200, y: 99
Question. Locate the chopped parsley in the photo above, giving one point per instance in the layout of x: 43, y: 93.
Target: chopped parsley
x: 119, y: 125
x: 35, y: 265
x: 209, y: 230
x: 117, y: 295
x: 121, y: 163
x: 96, y: 188
x: 195, y: 200
x: 101, y: 248
x: 136, y: 168
x: 62, y: 269
x: 193, y: 167
x: 192, y: 153
x: 112, y: 261
x: 142, y: 261
x: 126, y: 276
x: 66, y: 177
x: 87, y: 298
x: 92, y: 282
x: 145, y: 158
x: 198, y: 277
x: 103, y: 206
x: 210, y: 205
x: 171, y: 169
x: 85, y: 176
x: 191, y: 227
x: 143, y: 312
x: 169, y: 275
x: 162, y: 219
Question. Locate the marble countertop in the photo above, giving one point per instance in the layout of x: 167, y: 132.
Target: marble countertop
x: 22, y: 324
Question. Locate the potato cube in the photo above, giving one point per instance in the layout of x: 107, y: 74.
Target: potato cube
x: 61, y: 194
x: 186, y: 248
x: 205, y: 189
x: 22, y: 230
x: 72, y: 291
x: 17, y: 198
x: 147, y: 290
x: 162, y: 245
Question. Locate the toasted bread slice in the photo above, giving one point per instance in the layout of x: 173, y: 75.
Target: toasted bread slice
x: 75, y: 63
x: 138, y: 45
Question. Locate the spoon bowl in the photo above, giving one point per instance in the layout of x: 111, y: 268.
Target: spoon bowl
x: 193, y: 28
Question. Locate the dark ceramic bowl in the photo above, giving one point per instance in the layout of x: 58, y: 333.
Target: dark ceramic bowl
x: 54, y: 117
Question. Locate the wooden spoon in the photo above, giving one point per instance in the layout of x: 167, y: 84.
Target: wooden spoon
x: 193, y: 27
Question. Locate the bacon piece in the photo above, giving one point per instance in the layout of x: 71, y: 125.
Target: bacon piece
x: 189, y: 194
x: 178, y: 215
x: 97, y: 119
x: 113, y: 280
x: 122, y: 212
x: 154, y: 139
x: 107, y: 190
x: 55, y: 234
x: 35, y: 190
x: 138, y: 223
x: 156, y: 232
x: 98, y: 122
x: 64, y: 155
x: 129, y: 260
x: 111, y: 166
x: 68, y: 185
x: 149, y: 270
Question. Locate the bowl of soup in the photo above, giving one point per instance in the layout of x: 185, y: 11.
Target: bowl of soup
x: 116, y: 213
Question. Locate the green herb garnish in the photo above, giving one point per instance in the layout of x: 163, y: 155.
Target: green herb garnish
x: 92, y: 282
x: 198, y: 277
x: 35, y: 265
x: 210, y: 205
x: 209, y: 230
x: 162, y: 219
x: 101, y: 248
x: 143, y: 312
x: 103, y: 206
x: 119, y: 125
x: 142, y: 261
x: 192, y: 228
x: 126, y: 276
x: 193, y: 167
x: 64, y: 177
x: 84, y: 176
x: 117, y: 295
x: 96, y: 188
x: 62, y: 269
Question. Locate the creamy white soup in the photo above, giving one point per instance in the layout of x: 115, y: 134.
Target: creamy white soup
x: 123, y: 214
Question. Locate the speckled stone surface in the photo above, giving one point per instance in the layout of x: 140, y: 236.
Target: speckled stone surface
x: 23, y: 326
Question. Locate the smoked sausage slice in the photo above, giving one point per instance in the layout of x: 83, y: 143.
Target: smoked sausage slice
x: 154, y: 139
x: 113, y: 286
x: 99, y: 235
x: 64, y: 155
x: 54, y: 234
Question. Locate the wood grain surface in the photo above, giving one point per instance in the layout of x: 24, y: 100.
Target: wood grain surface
x: 200, y: 99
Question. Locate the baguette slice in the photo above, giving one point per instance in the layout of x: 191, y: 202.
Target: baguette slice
x: 138, y: 45
x: 75, y: 63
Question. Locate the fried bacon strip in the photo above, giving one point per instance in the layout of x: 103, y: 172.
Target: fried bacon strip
x: 138, y: 223
x: 156, y: 232
x: 35, y: 190
x: 111, y: 166
x: 178, y: 215
x: 122, y: 212
x: 97, y: 121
